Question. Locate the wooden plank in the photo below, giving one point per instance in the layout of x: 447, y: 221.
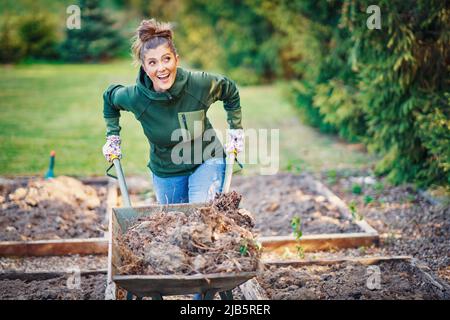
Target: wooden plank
x: 363, y: 224
x: 309, y: 243
x: 253, y: 291
x: 54, y: 247
x: 432, y: 200
x: 45, y: 275
x: 365, y: 261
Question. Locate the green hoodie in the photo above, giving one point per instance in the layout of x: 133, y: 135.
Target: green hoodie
x: 160, y: 113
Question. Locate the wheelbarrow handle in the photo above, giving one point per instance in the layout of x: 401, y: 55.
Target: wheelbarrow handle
x: 122, y: 182
x: 228, y: 172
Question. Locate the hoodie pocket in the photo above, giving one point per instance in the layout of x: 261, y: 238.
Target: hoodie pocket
x: 193, y: 123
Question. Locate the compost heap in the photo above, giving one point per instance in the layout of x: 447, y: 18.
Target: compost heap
x: 62, y: 207
x: 211, y: 239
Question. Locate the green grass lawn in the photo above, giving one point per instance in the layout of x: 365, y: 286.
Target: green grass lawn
x: 46, y: 107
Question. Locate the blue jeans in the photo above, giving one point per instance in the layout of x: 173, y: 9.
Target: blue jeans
x: 200, y: 186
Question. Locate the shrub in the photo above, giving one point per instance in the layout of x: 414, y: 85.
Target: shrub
x: 38, y: 34
x: 12, y: 49
x: 404, y: 84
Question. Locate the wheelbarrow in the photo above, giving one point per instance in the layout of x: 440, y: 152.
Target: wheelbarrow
x: 157, y: 286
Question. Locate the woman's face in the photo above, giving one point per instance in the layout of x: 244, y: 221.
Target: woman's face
x: 160, y: 64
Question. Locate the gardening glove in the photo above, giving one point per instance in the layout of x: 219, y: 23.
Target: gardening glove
x: 235, y: 141
x: 111, y: 148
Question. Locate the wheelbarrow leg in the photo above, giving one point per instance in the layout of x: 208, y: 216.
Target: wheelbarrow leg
x: 226, y: 295
x: 208, y: 295
x: 130, y: 296
x: 157, y: 296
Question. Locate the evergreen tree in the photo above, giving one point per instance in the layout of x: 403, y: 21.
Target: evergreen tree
x: 96, y: 40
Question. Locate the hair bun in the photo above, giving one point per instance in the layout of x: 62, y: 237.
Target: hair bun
x: 149, y: 29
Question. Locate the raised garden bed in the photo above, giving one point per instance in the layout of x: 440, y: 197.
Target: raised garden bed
x: 326, y: 221
x: 401, y: 278
x: 63, y: 216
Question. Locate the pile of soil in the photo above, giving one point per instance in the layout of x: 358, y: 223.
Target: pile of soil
x: 92, y: 287
x: 349, y: 281
x: 276, y: 199
x: 211, y: 239
x: 62, y: 207
x: 408, y: 222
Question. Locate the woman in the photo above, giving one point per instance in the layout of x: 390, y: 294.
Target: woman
x: 186, y: 158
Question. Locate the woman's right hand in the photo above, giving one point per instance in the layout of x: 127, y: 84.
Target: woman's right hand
x: 111, y: 148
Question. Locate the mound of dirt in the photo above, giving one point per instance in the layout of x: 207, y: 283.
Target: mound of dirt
x: 62, y: 207
x: 91, y: 287
x: 211, y: 239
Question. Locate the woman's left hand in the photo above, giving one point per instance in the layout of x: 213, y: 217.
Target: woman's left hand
x: 235, y: 141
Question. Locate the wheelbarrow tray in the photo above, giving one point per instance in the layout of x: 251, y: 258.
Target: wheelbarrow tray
x: 143, y: 286
x: 148, y: 285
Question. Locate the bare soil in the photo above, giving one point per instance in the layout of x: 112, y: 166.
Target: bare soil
x: 211, y: 239
x: 349, y: 281
x: 59, y: 208
x: 275, y: 200
x: 408, y: 223
x: 92, y: 287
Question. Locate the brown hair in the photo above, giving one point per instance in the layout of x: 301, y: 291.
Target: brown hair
x: 149, y: 35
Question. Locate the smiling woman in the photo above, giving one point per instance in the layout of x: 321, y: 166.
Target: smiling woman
x: 154, y: 49
x: 160, y: 64
x: 171, y: 104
